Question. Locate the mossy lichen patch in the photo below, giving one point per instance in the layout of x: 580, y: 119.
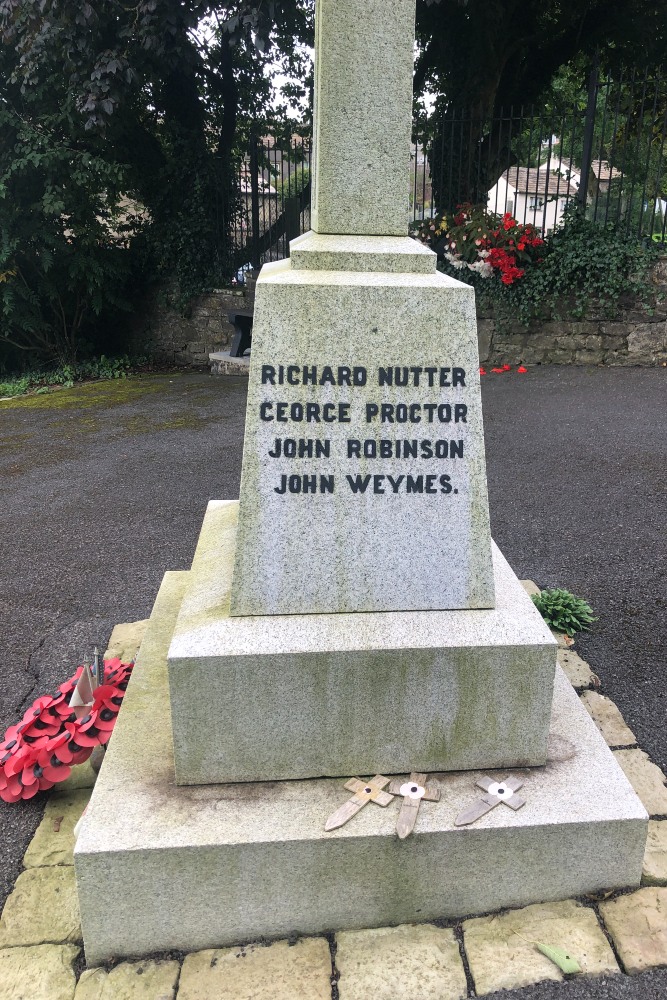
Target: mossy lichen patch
x: 112, y: 392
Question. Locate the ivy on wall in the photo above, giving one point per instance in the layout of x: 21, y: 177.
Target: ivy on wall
x: 581, y: 268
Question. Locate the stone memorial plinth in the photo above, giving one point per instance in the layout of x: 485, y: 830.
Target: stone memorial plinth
x: 302, y: 696
x: 349, y: 615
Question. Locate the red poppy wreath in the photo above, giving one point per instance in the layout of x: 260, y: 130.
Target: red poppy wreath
x: 50, y: 739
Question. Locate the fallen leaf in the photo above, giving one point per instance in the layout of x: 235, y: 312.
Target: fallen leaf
x: 559, y: 957
x: 597, y: 897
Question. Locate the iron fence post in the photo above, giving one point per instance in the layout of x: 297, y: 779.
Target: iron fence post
x: 292, y: 212
x: 254, y: 200
x: 589, y: 128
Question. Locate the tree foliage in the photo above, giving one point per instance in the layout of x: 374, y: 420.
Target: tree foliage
x: 106, y: 108
x: 486, y: 57
x: 64, y: 246
x: 122, y: 123
x: 488, y: 54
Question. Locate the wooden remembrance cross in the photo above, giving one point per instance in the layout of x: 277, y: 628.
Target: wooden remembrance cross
x: 413, y: 791
x: 364, y: 792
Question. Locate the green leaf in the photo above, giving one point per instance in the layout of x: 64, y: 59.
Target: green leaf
x: 562, y: 611
x: 559, y: 957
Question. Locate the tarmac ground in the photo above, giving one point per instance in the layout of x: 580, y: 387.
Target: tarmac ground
x: 103, y: 488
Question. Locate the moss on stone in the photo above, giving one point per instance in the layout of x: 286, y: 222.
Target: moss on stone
x: 111, y: 392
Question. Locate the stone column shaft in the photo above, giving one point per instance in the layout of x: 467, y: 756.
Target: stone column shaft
x: 364, y: 56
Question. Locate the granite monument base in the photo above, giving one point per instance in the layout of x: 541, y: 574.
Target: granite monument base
x: 163, y: 867
x: 270, y: 697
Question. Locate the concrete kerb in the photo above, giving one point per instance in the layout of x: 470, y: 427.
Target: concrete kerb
x: 620, y: 917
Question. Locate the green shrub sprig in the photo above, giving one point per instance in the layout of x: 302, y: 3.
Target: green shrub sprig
x: 563, y: 612
x: 42, y: 379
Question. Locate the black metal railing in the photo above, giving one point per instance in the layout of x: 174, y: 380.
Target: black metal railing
x: 270, y: 202
x: 605, y: 153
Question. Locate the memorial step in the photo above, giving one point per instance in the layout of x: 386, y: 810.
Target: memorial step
x: 197, y: 867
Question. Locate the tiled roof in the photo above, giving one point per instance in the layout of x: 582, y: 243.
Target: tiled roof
x: 539, y: 181
x: 603, y: 171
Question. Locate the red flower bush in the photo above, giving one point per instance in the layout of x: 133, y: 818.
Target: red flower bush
x: 41, y: 749
x: 484, y: 243
x: 505, y: 264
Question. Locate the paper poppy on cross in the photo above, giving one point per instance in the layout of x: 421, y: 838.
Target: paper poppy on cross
x: 364, y: 792
x: 413, y: 791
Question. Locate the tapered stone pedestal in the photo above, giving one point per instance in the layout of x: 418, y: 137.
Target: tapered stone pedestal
x: 364, y: 480
x: 162, y: 867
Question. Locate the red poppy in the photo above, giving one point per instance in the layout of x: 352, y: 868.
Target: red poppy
x: 522, y: 370
x: 498, y: 371
x: 13, y: 734
x: 105, y: 719
x: 39, y: 705
x: 84, y: 738
x: 31, y: 773
x: 41, y: 749
x: 53, y: 769
x: 482, y: 371
x: 60, y: 703
x: 64, y: 747
x: 41, y: 726
x: 11, y: 789
x: 7, y: 747
x: 107, y: 696
x: 19, y: 760
x: 117, y: 674
x: 68, y: 686
x: 60, y: 748
x: 64, y: 712
x: 28, y: 791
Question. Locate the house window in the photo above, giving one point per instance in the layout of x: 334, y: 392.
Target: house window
x: 535, y: 203
x: 509, y: 206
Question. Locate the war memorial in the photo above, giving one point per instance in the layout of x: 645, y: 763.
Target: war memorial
x: 349, y: 626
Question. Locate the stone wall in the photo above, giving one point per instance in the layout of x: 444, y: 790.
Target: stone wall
x: 637, y: 336
x: 189, y: 338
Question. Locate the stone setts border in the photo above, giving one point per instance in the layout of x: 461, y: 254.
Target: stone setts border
x: 40, y: 935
